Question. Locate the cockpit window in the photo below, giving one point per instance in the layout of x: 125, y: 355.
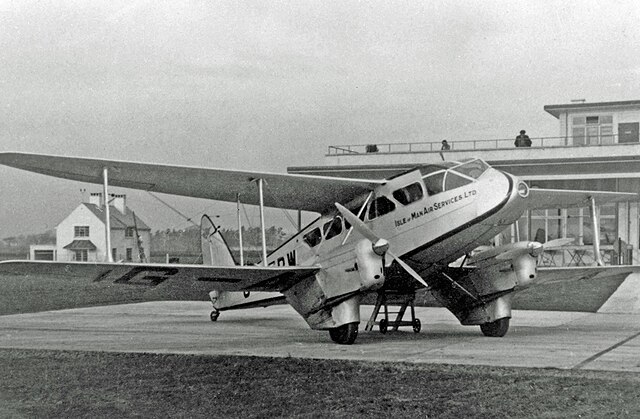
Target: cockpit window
x: 474, y: 168
x: 313, y: 238
x: 453, y: 180
x: 409, y: 194
x: 434, y: 183
x: 380, y: 206
x: 332, y: 228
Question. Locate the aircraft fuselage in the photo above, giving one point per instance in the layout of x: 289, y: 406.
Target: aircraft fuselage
x: 429, y: 218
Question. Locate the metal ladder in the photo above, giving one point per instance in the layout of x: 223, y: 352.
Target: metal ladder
x: 402, y: 300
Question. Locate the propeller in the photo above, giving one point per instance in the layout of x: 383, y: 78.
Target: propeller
x: 380, y: 245
x: 555, y: 243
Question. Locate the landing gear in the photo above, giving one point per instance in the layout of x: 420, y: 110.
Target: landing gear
x: 496, y: 329
x: 416, y: 326
x: 383, y: 326
x: 345, y: 334
x: 214, y: 315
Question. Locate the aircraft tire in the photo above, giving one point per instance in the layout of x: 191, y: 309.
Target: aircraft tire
x: 384, y: 324
x: 496, y: 329
x: 214, y: 315
x: 345, y: 334
x: 416, y: 326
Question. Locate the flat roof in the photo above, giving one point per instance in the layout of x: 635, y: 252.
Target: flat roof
x: 556, y: 109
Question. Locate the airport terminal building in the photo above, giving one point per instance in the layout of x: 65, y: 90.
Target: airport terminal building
x: 597, y: 148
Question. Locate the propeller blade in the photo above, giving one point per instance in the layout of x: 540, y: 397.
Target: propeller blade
x: 357, y: 223
x: 380, y: 245
x: 409, y: 270
x: 533, y: 248
x: 558, y: 243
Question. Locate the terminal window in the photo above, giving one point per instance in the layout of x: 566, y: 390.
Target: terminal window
x: 592, y: 130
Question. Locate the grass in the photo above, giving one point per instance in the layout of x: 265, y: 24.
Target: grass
x: 94, y: 384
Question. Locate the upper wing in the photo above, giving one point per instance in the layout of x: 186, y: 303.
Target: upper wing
x: 559, y: 198
x: 167, y: 281
x: 300, y: 192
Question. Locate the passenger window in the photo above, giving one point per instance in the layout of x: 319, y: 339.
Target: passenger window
x: 313, y: 238
x: 332, y: 228
x: 455, y: 181
x: 409, y: 194
x: 380, y: 206
x: 434, y: 183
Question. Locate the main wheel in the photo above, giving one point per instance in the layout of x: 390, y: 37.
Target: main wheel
x: 416, y: 326
x: 214, y: 315
x: 496, y: 329
x: 345, y: 334
x: 383, y: 326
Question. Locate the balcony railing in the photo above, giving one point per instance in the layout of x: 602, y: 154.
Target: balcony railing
x: 465, y: 145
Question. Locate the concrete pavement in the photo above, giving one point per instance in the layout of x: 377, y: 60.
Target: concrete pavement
x: 597, y: 341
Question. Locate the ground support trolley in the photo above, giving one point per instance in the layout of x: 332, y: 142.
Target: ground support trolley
x: 401, y: 300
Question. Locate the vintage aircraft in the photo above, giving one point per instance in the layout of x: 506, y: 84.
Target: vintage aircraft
x: 405, y: 232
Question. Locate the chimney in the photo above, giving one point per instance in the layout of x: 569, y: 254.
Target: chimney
x: 119, y: 201
x: 95, y: 198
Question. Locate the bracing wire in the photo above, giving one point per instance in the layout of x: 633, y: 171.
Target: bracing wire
x: 173, y: 209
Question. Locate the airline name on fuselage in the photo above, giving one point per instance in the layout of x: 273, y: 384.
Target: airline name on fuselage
x: 435, y: 207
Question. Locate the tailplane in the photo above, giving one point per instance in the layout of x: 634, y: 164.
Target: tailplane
x: 216, y: 252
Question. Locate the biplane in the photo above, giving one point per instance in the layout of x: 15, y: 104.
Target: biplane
x: 415, y: 230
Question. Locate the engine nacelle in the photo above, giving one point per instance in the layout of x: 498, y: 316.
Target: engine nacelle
x: 370, y: 266
x: 525, y: 268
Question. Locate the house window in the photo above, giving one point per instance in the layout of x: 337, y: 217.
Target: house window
x: 129, y: 254
x: 114, y: 253
x: 81, y: 255
x: 81, y: 231
x: 128, y: 232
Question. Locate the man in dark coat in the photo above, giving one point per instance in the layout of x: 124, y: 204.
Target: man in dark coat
x: 523, y: 140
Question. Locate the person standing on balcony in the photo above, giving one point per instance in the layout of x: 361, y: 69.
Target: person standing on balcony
x: 523, y: 140
x: 445, y: 145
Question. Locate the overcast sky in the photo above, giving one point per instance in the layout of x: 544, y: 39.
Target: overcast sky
x: 266, y: 85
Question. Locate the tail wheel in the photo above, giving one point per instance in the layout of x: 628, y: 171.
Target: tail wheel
x: 345, y: 334
x: 496, y: 329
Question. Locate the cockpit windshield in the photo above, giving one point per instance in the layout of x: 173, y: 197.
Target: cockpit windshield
x: 452, y: 177
x: 472, y: 168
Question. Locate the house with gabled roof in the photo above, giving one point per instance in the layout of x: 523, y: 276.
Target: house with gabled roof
x: 81, y: 236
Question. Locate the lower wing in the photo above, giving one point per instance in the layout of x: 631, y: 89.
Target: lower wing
x: 553, y: 274
x: 165, y: 281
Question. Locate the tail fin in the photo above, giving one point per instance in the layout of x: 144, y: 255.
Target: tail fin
x: 215, y: 250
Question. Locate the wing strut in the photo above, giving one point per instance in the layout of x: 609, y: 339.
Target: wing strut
x: 264, y: 237
x: 107, y: 216
x: 240, y: 230
x: 596, y: 232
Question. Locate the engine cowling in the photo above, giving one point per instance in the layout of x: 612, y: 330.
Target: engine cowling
x: 525, y: 268
x: 370, y: 265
